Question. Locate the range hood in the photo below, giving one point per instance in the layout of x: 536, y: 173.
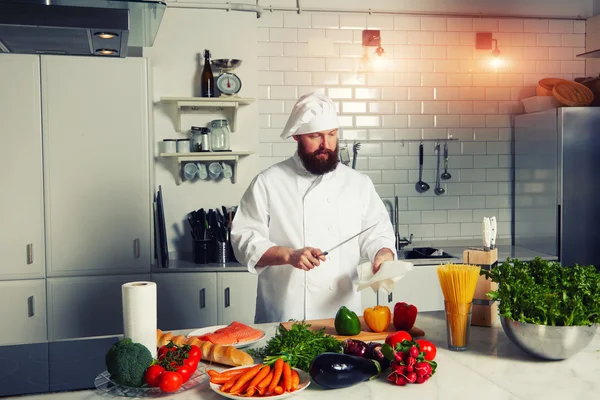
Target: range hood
x: 105, y: 28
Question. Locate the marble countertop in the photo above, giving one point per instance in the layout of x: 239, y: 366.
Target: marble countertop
x: 493, y: 368
x: 504, y: 251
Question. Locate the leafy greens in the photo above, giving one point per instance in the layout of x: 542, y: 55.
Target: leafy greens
x: 298, y: 346
x: 546, y: 293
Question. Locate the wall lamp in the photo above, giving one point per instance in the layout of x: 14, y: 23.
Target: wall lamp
x: 485, y: 41
x: 372, y: 38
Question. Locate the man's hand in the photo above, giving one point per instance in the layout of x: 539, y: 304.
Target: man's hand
x: 382, y: 255
x: 306, y: 258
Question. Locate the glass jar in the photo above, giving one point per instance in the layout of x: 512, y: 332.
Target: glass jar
x: 219, y: 135
x: 199, y: 139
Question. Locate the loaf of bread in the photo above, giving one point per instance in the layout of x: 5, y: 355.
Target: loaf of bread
x: 227, y: 355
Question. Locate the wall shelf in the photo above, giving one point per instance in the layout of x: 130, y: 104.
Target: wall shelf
x: 179, y: 158
x: 200, y: 103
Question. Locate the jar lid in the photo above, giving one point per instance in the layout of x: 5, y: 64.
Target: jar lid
x: 183, y: 140
x: 218, y: 123
x: 197, y: 128
x: 169, y: 140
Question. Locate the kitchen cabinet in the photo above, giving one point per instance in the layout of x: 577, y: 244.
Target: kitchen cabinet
x: 87, y: 305
x: 21, y: 204
x: 237, y: 297
x: 23, y: 311
x: 419, y: 287
x: 186, y: 300
x: 96, y: 165
x: 190, y: 300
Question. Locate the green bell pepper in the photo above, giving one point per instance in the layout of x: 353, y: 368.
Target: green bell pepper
x: 347, y: 322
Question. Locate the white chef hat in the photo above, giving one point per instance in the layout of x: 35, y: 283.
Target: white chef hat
x: 313, y: 112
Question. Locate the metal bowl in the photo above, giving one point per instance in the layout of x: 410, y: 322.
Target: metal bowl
x: 548, y: 342
x: 226, y: 63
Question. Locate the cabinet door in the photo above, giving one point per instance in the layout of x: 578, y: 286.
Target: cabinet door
x: 420, y: 287
x: 86, y: 306
x: 21, y: 203
x: 186, y: 300
x: 237, y: 297
x: 23, y: 310
x: 96, y: 155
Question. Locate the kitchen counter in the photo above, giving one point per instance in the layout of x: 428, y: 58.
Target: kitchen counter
x: 493, y: 368
x: 504, y: 251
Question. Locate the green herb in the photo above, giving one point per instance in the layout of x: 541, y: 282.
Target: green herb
x: 546, y: 293
x: 298, y: 346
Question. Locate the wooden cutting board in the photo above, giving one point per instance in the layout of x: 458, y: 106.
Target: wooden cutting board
x: 366, y: 335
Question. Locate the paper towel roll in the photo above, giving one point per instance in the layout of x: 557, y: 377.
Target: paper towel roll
x: 139, y: 313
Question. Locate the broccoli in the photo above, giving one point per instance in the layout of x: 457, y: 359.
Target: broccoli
x: 127, y: 361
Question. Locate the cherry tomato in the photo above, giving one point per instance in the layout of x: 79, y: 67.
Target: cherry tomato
x: 195, y: 353
x: 170, y: 381
x: 397, y: 337
x: 152, y: 375
x: 428, y: 348
x: 185, y: 371
x: 164, y: 350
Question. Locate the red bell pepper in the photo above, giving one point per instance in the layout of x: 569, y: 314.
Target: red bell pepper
x: 405, y: 316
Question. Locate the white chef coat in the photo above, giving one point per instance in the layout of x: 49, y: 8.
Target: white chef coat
x: 285, y: 205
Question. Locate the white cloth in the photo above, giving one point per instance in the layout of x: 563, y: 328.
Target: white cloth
x: 287, y: 206
x: 313, y: 112
x: 389, y: 273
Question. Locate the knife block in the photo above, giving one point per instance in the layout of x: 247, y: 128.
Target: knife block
x: 484, y: 311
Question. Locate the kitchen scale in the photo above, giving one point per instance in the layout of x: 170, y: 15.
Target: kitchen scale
x: 228, y: 83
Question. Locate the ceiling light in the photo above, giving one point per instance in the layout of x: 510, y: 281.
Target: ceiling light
x: 106, y: 35
x: 106, y: 52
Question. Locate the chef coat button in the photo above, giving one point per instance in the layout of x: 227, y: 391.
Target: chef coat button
x: 329, y: 200
x: 330, y: 228
x: 330, y: 287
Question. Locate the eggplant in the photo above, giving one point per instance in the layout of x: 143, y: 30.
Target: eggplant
x: 335, y: 371
x: 354, y: 347
x: 374, y: 353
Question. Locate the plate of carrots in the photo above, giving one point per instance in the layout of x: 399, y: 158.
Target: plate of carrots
x: 275, y: 381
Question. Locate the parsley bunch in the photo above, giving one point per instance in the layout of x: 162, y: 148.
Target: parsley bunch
x: 546, y: 293
x: 298, y: 346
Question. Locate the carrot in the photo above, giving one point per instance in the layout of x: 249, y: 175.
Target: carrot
x: 264, y: 371
x: 287, y: 378
x: 278, y: 390
x: 262, y: 386
x: 245, y: 378
x: 219, y: 378
x: 276, y: 375
x: 295, y: 380
x: 229, y: 384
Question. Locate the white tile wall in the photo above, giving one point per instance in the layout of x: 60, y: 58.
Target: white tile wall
x: 434, y: 83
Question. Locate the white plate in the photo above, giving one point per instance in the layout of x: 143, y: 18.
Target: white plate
x: 211, y: 329
x: 304, y: 382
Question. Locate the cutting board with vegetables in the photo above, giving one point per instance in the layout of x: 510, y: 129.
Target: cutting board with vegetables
x: 366, y: 335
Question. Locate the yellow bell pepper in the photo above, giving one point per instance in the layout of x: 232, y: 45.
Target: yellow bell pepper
x: 378, y: 318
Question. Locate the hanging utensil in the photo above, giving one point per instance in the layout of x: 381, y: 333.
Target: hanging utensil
x: 355, y: 149
x: 344, y: 154
x: 446, y: 175
x: 421, y: 186
x: 439, y: 190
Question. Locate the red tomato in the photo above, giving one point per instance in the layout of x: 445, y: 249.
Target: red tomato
x: 164, y: 350
x: 428, y: 348
x: 185, y: 371
x: 170, y: 381
x: 152, y: 375
x: 192, y: 363
x: 195, y: 353
x: 397, y: 337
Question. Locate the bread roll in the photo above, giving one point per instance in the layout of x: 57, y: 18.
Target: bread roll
x: 227, y: 355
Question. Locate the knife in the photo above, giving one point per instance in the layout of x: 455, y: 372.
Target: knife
x: 347, y: 240
x: 494, y: 227
x: 486, y: 231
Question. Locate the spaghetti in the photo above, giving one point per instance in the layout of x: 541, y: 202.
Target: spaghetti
x: 458, y: 283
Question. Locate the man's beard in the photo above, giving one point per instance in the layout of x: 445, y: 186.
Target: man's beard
x: 316, y: 165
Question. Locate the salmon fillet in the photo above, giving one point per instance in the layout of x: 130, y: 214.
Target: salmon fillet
x: 234, y: 333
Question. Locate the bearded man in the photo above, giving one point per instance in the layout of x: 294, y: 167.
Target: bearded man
x: 295, y: 210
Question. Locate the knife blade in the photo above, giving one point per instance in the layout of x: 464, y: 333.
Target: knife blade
x: 494, y: 227
x: 486, y: 232
x: 347, y: 240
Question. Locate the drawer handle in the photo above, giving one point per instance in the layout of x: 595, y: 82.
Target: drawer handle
x: 30, y: 306
x: 390, y: 297
x: 202, y: 298
x: 227, y: 298
x: 30, y: 253
x: 136, y: 248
